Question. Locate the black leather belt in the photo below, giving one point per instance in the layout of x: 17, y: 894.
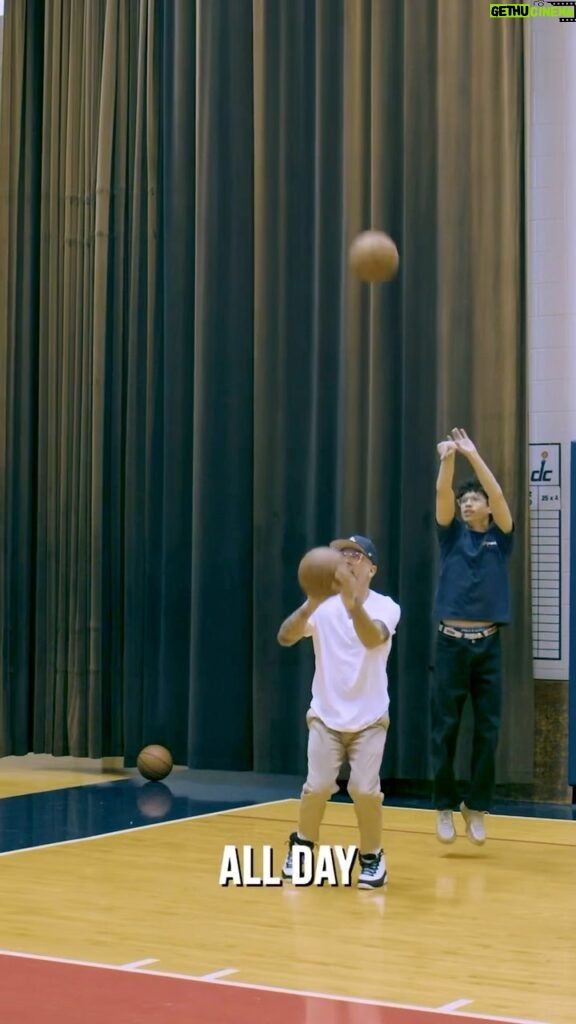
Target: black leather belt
x: 467, y: 632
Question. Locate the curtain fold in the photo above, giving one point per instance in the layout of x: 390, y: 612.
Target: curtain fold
x: 194, y: 389
x: 221, y: 464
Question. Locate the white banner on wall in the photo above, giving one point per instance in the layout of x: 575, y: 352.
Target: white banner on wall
x: 545, y: 495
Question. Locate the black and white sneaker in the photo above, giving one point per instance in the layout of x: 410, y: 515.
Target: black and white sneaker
x: 293, y: 841
x: 373, y: 873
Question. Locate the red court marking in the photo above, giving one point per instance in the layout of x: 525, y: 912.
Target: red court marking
x: 36, y: 991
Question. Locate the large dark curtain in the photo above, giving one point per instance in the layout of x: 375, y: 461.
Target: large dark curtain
x: 193, y: 387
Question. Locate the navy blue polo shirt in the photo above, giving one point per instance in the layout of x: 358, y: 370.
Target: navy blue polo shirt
x: 473, y: 581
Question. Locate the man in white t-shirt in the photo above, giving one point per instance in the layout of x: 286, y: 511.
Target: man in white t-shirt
x: 348, y: 716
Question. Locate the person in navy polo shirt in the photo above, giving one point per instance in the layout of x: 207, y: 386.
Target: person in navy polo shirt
x: 472, y: 603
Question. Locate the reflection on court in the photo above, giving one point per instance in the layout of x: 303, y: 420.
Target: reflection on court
x: 489, y: 930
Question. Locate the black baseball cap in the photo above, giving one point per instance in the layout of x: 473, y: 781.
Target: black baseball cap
x: 363, y: 544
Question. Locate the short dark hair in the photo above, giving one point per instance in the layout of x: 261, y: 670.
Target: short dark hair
x: 468, y: 486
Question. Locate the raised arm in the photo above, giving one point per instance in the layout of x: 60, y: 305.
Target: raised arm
x: 293, y: 628
x: 371, y: 632
x: 445, y: 500
x: 498, y: 505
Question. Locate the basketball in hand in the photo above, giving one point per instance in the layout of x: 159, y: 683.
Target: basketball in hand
x: 316, y: 572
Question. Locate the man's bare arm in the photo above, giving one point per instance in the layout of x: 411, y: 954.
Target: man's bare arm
x: 293, y: 628
x: 371, y: 632
x: 498, y: 505
x: 445, y: 501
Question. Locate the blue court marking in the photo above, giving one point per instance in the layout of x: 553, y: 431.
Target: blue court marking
x: 83, y: 812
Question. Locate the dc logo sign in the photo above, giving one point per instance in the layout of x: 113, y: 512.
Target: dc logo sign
x: 541, y: 475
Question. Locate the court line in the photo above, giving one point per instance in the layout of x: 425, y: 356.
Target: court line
x: 287, y: 800
x: 218, y: 974
x: 139, y: 828
x: 421, y: 810
x: 456, y: 1005
x: 415, y: 831
x: 269, y: 988
x: 256, y: 817
x: 137, y: 963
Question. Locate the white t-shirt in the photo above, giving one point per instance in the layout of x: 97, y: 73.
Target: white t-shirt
x: 350, y: 685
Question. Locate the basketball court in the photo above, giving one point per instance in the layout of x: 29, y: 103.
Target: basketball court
x: 112, y: 911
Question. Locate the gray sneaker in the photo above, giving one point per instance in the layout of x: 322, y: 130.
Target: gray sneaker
x: 475, y: 829
x: 445, y: 830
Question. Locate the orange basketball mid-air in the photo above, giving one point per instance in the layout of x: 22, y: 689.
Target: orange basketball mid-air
x: 374, y: 256
x: 316, y: 572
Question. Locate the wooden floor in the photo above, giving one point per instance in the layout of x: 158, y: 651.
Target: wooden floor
x: 489, y: 931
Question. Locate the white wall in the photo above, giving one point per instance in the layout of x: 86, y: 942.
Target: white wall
x: 551, y: 153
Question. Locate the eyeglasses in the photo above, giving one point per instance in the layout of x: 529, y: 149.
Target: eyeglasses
x: 352, y: 554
